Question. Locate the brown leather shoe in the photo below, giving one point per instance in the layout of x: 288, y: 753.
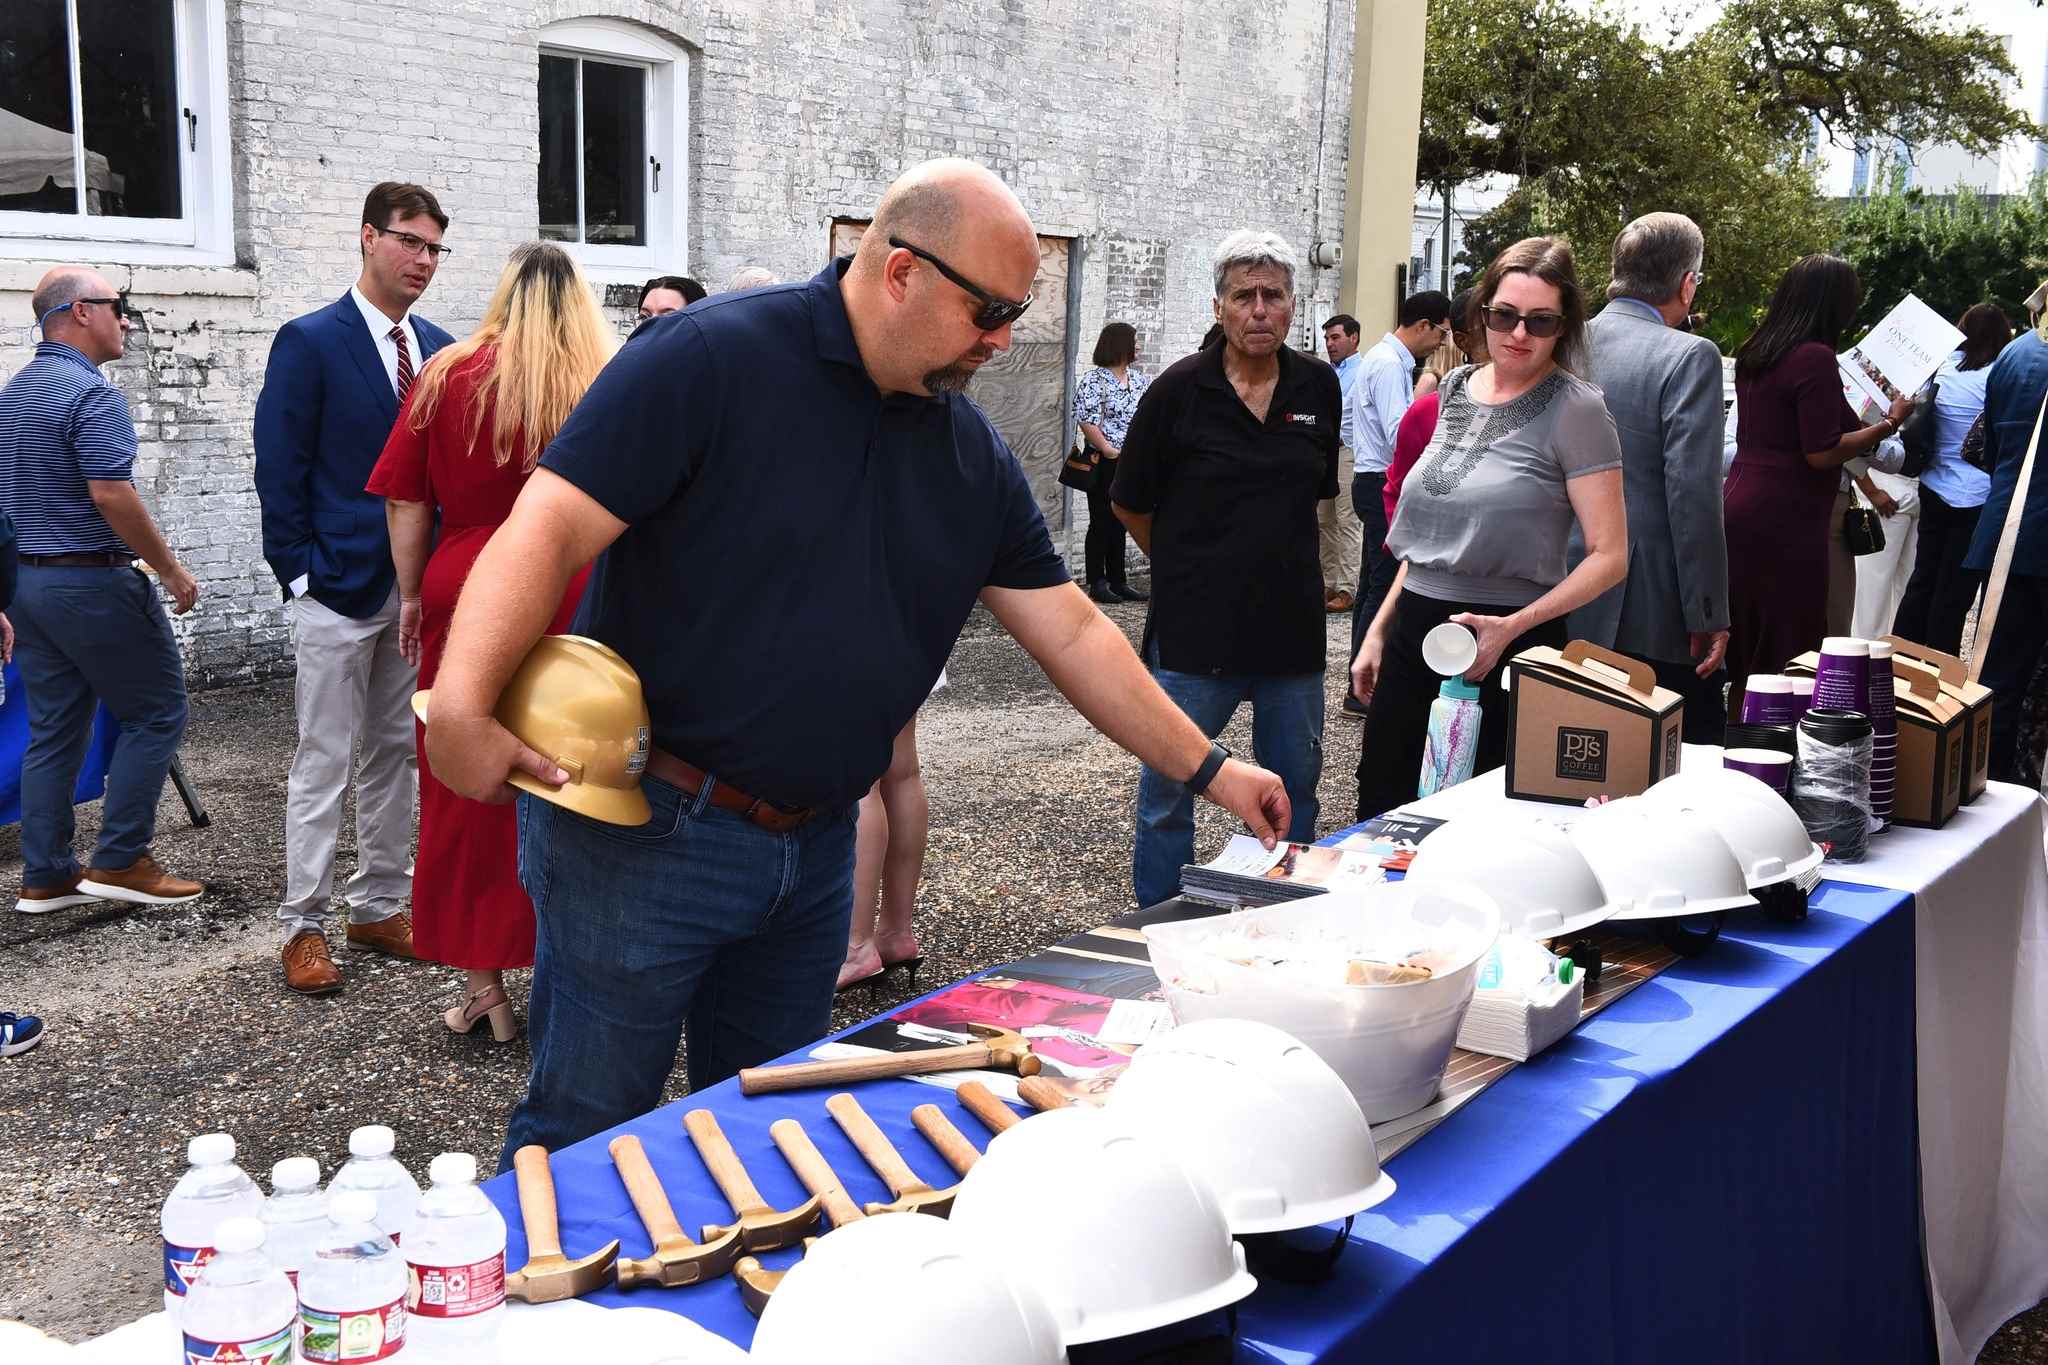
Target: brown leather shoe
x: 1339, y: 600
x: 142, y: 882
x: 307, y: 967
x: 40, y: 900
x: 391, y: 936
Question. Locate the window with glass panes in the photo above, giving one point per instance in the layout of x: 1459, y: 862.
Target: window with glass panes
x: 595, y: 171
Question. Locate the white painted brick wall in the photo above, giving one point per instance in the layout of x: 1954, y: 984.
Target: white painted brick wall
x: 1148, y: 128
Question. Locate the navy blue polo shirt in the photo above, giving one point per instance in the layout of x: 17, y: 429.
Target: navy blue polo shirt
x: 800, y: 551
x: 62, y: 424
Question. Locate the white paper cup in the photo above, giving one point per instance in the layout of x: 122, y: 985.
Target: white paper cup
x: 1449, y: 650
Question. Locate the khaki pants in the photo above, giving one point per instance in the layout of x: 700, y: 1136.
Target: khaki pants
x: 1841, y: 570
x: 1340, y: 534
x: 354, y: 701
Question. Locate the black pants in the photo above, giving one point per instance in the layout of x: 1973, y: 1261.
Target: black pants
x: 1397, y: 718
x: 1706, y: 713
x: 1939, y: 593
x: 2016, y: 643
x: 1103, y: 546
x: 1376, y: 568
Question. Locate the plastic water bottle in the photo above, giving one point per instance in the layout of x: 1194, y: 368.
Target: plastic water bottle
x: 455, y: 1248
x: 372, y: 1169
x: 242, y: 1308
x: 295, y: 1217
x: 352, y: 1293
x: 213, y: 1190
x: 1453, y: 743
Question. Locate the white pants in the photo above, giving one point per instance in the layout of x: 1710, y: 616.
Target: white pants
x: 354, y: 698
x: 1881, y: 578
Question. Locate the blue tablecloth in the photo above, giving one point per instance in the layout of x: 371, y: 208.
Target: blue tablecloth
x: 1719, y: 1167
x: 92, y: 778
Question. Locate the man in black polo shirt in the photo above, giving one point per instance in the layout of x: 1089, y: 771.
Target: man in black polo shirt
x: 796, y: 510
x: 1228, y: 454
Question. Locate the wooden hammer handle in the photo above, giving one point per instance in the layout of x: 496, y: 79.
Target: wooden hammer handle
x: 981, y: 1102
x: 873, y: 1144
x: 761, y: 1080
x: 723, y: 1162
x: 643, y: 1187
x: 817, y: 1174
x: 537, y: 1202
x: 953, y: 1145
x: 1041, y: 1094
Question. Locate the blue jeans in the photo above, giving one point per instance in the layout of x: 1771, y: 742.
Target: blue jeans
x: 1287, y: 737
x: 81, y: 636
x: 697, y: 923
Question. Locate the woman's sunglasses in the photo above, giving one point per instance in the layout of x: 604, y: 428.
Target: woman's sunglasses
x: 1503, y: 320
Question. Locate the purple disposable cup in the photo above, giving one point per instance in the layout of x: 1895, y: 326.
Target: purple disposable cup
x: 1842, y: 681
x: 1767, y: 766
x: 1767, y: 700
x: 1802, y: 696
x: 1884, y: 730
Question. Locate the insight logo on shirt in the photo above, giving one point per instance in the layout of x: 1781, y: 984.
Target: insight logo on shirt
x: 1307, y: 419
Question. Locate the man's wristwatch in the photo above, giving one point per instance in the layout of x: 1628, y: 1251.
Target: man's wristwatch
x: 1213, y: 764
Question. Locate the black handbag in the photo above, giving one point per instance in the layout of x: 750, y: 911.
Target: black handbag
x: 1080, y: 471
x: 1973, y: 447
x: 1862, y: 530
x: 1917, y: 435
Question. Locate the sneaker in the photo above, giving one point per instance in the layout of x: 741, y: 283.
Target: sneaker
x: 19, y: 1033
x: 142, y: 882
x: 41, y: 900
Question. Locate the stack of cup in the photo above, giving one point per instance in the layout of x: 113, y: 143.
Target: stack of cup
x: 1767, y: 700
x: 1884, y: 732
x: 1802, y: 696
x: 1842, y: 681
x: 1772, y: 767
x: 1777, y: 737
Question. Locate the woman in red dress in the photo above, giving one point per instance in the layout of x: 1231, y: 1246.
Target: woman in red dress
x: 467, y: 439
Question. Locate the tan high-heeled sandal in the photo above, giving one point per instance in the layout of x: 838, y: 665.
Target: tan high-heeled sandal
x: 489, y: 1004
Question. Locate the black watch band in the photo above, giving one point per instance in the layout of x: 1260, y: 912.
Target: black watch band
x: 1211, y: 765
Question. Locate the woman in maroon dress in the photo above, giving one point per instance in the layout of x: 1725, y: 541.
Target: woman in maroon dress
x: 466, y: 441
x: 1794, y: 432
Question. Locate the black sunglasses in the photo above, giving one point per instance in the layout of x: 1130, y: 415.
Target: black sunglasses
x: 995, y: 312
x: 1499, y: 319
x: 122, y: 308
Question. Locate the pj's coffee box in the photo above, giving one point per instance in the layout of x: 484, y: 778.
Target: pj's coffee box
x: 1974, y: 698
x: 1584, y: 721
x: 1932, y: 748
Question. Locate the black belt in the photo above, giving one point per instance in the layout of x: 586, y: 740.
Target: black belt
x: 94, y: 559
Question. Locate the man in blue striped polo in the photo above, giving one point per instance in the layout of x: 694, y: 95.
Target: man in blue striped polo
x: 88, y: 625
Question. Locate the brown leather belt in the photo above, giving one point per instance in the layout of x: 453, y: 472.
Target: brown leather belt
x: 96, y: 559
x: 690, y: 779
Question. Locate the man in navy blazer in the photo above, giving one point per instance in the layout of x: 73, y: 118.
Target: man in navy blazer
x: 331, y: 392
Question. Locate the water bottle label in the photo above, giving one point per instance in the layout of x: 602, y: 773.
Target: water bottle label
x: 274, y: 1349
x: 457, y: 1291
x: 371, y: 1334
x: 182, y: 1266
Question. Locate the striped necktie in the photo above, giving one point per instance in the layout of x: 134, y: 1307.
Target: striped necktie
x: 404, y: 363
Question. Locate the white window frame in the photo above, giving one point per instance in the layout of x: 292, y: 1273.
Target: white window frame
x: 203, y: 234
x: 667, y: 113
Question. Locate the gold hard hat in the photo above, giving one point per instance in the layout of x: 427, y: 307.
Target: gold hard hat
x: 577, y: 703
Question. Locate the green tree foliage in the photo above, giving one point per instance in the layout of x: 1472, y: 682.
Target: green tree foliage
x: 1951, y: 251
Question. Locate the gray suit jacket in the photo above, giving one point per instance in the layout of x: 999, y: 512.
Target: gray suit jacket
x: 1663, y: 388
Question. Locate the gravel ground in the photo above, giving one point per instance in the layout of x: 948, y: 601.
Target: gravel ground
x: 165, y: 1023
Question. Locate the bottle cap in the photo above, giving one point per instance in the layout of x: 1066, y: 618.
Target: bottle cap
x: 295, y: 1173
x: 238, y: 1235
x: 1459, y: 689
x: 372, y: 1139
x: 352, y: 1206
x: 453, y: 1168
x: 210, y: 1149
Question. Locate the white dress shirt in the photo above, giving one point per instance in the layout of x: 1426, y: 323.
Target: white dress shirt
x: 380, y: 332
x: 1380, y: 394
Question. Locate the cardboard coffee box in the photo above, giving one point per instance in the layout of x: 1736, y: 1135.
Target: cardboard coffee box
x: 1973, y: 697
x: 1584, y: 721
x: 1932, y: 752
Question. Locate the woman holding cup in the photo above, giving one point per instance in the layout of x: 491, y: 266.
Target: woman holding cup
x: 1523, y: 451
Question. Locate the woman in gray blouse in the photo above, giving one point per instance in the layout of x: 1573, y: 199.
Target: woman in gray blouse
x: 1524, y: 449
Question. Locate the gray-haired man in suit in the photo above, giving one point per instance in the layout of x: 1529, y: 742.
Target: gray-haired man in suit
x: 1663, y: 387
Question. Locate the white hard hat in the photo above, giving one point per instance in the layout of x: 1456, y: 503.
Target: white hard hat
x: 1529, y: 866
x: 1117, y: 1234
x: 1756, y: 823
x: 905, y: 1286
x: 1217, y: 1092
x: 1657, y: 861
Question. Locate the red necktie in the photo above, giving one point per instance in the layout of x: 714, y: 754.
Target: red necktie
x: 404, y: 363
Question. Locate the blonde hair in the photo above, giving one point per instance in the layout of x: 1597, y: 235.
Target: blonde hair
x: 551, y: 339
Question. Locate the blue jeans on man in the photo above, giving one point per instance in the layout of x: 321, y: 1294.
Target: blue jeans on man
x: 83, y: 636
x: 1287, y: 738
x: 699, y: 924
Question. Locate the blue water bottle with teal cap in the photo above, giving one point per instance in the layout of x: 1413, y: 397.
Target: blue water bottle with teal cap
x: 1453, y: 741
